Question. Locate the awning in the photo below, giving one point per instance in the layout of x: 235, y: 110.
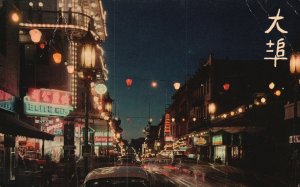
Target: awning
x: 12, y: 126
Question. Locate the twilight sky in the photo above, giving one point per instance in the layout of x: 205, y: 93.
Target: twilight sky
x: 165, y: 40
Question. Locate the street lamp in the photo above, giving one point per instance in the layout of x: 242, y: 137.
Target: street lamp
x: 108, y: 107
x: 87, y: 72
x: 295, y: 71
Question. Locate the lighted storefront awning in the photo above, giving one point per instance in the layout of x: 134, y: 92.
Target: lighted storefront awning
x: 13, y: 126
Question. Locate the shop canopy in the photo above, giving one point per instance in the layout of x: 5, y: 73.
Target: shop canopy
x: 12, y: 126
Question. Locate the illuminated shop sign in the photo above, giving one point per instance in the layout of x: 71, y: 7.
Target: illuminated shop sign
x: 56, y: 129
x: 217, y: 140
x: 102, y: 139
x: 7, y: 101
x: 200, y: 140
x: 47, y: 102
x: 167, y: 124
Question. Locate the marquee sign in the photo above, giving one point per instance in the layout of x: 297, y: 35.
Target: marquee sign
x: 47, y: 102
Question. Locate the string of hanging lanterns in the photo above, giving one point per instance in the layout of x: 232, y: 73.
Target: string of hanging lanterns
x: 154, y: 84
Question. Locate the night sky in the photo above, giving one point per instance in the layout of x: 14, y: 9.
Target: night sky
x: 166, y: 40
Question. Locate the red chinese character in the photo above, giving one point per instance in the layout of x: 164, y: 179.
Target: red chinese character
x: 46, y: 96
x: 35, y: 95
x: 65, y: 99
x: 56, y: 98
x: 2, y: 95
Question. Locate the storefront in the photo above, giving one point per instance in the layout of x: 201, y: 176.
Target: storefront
x: 202, y: 144
x: 11, y: 128
x: 219, y: 149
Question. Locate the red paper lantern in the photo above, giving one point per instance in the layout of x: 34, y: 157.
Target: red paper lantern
x: 42, y: 45
x: 226, y: 86
x: 128, y: 83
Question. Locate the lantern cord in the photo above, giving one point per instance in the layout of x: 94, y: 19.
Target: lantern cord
x: 258, y: 22
x: 291, y: 6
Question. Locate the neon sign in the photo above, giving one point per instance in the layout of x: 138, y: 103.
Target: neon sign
x: 167, y: 125
x: 47, y: 102
x: 7, y: 101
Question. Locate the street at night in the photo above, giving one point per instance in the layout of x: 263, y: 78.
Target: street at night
x: 150, y: 93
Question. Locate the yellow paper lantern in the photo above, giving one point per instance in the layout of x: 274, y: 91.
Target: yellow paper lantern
x: 295, y: 63
x: 176, y: 85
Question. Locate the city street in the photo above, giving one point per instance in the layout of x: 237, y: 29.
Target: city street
x: 149, y: 93
x: 204, y: 174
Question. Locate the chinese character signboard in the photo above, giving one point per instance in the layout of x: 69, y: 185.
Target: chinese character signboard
x: 276, y: 49
x: 7, y: 101
x: 47, y: 102
x: 167, y: 126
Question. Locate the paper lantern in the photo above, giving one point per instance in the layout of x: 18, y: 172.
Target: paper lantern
x: 57, y: 57
x: 42, y: 46
x: 70, y: 69
x: 212, y: 108
x: 15, y: 17
x: 35, y: 35
x: 176, y: 85
x: 128, y: 82
x: 154, y: 84
x: 272, y: 85
x: 277, y: 93
x: 295, y: 63
x: 226, y: 86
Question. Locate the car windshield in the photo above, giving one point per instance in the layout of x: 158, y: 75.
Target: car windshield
x: 110, y: 182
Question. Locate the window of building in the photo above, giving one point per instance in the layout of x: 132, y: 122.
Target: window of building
x: 235, y: 152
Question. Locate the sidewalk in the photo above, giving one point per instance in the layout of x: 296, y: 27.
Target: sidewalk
x: 251, y: 178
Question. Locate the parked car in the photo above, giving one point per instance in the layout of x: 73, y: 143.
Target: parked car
x: 117, y: 176
x: 127, y: 161
x: 33, y: 160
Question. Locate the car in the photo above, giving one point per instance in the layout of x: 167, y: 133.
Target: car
x: 117, y: 176
x: 126, y: 161
x: 33, y: 160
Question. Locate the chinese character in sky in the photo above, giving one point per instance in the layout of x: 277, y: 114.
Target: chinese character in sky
x: 275, y: 22
x: 280, y: 53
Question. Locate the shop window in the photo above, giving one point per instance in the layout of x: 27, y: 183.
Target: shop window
x: 241, y: 152
x: 235, y: 152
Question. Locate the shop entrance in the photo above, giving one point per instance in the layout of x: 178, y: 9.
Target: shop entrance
x: 220, y: 153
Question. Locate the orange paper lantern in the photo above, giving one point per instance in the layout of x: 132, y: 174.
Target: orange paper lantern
x: 57, y: 58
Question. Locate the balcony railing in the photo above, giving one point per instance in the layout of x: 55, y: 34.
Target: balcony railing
x: 66, y: 20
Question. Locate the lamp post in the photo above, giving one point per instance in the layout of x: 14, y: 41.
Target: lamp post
x: 295, y: 71
x: 108, y: 109
x: 86, y: 71
x: 211, y: 111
